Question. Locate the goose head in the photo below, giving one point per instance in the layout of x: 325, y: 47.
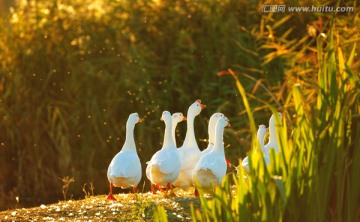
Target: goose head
x: 177, y: 118
x: 215, y: 117
x: 272, y: 119
x: 212, y: 123
x: 196, y: 108
x: 261, y: 130
x: 133, y: 119
x: 223, y: 122
x: 166, y: 117
x: 261, y: 134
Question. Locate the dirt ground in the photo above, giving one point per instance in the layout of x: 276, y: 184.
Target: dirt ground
x: 132, y: 207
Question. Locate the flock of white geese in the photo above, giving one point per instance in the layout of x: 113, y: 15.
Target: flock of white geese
x: 181, y: 167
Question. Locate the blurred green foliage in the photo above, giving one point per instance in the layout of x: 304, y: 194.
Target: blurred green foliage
x: 72, y: 71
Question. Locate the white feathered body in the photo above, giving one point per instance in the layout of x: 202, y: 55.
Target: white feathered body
x: 210, y: 169
x: 125, y: 169
x: 164, y: 167
x: 189, y: 157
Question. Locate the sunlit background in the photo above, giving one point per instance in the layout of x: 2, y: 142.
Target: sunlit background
x: 71, y: 71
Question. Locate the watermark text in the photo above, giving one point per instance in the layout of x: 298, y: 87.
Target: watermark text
x: 313, y: 8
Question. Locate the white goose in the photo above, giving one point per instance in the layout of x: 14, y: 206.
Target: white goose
x: 164, y: 166
x: 211, y: 130
x: 260, y: 136
x: 125, y: 168
x: 273, y: 142
x: 189, y: 152
x: 212, y: 166
x: 176, y: 118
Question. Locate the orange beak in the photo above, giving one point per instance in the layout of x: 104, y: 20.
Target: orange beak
x: 140, y: 120
x: 201, y: 105
x: 161, y: 119
x: 228, y: 124
x: 184, y: 118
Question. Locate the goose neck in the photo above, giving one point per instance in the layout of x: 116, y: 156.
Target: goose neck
x: 261, y: 141
x: 211, y: 132
x: 173, y: 129
x: 129, y: 139
x: 219, y: 144
x: 272, y: 131
x: 190, y: 139
x: 168, y: 139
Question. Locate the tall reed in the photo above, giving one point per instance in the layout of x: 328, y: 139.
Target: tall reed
x: 314, y: 176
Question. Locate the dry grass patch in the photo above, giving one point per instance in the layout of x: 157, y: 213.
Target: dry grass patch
x: 139, y: 207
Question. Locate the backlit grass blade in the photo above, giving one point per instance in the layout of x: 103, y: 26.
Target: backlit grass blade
x: 351, y: 56
x: 246, y: 104
x: 160, y: 214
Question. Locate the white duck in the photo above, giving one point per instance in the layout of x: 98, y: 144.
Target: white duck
x: 176, y: 118
x: 211, y: 130
x: 260, y: 136
x: 273, y: 142
x: 164, y: 166
x: 189, y: 152
x: 125, y: 168
x: 212, y: 166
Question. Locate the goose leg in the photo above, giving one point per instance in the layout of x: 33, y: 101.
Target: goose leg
x: 167, y: 187
x: 153, y: 188
x: 135, y: 192
x: 196, y: 193
x: 111, y: 197
x: 171, y: 187
x: 159, y: 188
